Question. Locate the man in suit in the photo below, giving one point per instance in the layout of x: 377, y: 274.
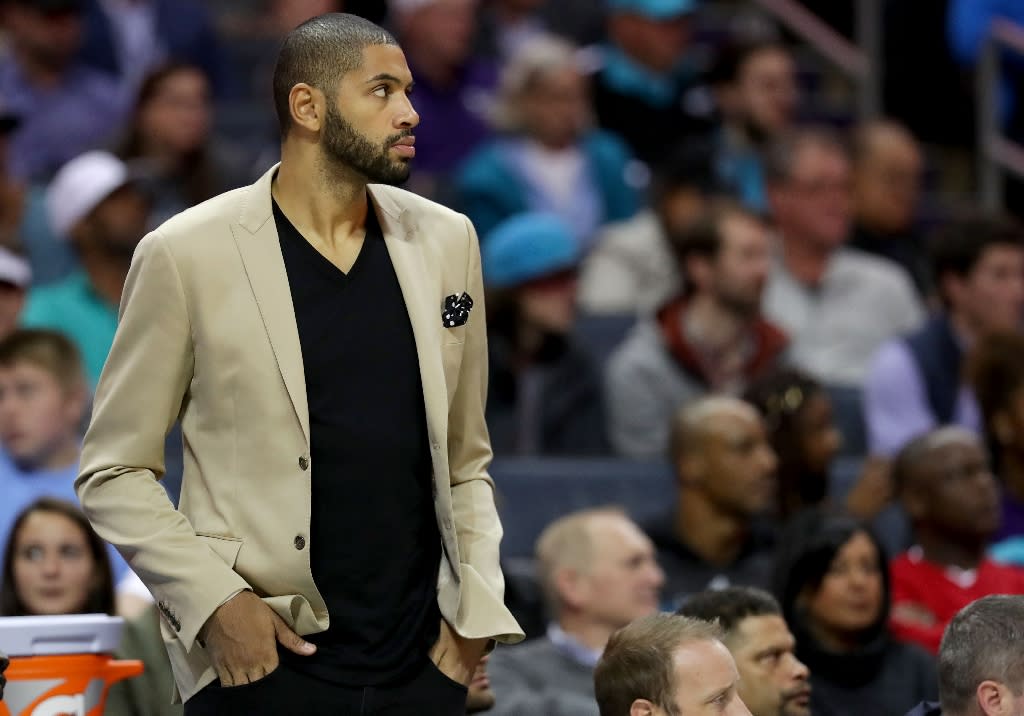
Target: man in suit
x: 598, y: 573
x: 314, y: 332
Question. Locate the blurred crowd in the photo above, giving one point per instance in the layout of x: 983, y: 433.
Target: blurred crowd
x: 695, y: 253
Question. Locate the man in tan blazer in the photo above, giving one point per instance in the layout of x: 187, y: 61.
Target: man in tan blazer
x: 365, y: 523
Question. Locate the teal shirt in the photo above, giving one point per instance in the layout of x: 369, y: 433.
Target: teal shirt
x: 72, y: 307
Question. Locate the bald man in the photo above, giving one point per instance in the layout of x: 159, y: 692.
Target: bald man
x: 719, y: 533
x: 952, y: 498
x: 598, y: 573
x: 887, y: 170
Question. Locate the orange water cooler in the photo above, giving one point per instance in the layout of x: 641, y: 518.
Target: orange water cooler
x: 61, y: 666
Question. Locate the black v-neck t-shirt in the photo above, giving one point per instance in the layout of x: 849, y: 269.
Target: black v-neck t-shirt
x: 374, y: 543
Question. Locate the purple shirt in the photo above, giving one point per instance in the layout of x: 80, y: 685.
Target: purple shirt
x: 58, y: 123
x: 896, y: 404
x: 452, y: 120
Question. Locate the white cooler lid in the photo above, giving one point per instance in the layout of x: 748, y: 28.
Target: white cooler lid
x: 67, y: 634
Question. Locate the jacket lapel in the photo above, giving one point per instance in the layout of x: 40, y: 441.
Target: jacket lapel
x: 420, y: 285
x: 256, y: 237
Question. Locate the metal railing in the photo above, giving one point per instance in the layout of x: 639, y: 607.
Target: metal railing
x: 997, y: 154
x: 862, y: 62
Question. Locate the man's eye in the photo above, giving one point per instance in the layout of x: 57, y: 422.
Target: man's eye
x: 381, y: 91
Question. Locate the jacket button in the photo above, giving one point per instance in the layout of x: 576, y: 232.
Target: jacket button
x: 303, y: 462
x: 300, y: 542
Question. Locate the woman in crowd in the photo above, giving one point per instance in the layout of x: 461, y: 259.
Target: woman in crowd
x: 802, y: 428
x: 55, y: 563
x: 169, y: 143
x: 832, y: 580
x: 549, y: 157
x: 545, y: 394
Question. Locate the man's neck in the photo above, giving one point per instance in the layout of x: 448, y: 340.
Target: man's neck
x: 715, y: 326
x: 586, y: 632
x: 106, y: 275
x: 326, y: 204
x: 940, y: 550
x: 804, y: 261
x: 714, y: 536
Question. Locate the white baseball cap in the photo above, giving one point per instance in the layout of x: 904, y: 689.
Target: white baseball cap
x: 79, y: 187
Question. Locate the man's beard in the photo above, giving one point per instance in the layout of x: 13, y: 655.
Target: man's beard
x: 344, y: 147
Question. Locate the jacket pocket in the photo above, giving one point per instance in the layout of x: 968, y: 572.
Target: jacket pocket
x: 226, y: 548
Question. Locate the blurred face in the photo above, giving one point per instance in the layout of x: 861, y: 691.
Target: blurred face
x: 624, y: 580
x: 480, y: 697
x: 991, y: 297
x: 38, y: 417
x: 656, y: 44
x: 549, y: 303
x: 177, y: 117
x: 374, y: 136
x: 441, y: 30
x: 736, y: 467
x: 53, y: 568
x: 741, y: 268
x: 849, y: 599
x: 773, y: 682
x: 767, y: 92
x: 887, y: 183
x: 117, y: 224
x: 953, y: 489
x: 50, y: 39
x: 555, y: 108
x: 12, y: 300
x: 681, y: 207
x: 706, y: 682
x: 820, y: 437
x: 813, y: 206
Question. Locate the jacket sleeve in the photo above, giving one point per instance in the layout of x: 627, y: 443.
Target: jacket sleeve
x: 482, y: 610
x: 143, y: 388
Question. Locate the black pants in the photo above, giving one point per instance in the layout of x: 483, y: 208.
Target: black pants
x: 286, y: 691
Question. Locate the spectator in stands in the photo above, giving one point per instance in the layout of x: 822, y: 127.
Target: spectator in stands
x: 887, y: 171
x: 632, y: 269
x: 480, y: 697
x: 718, y: 533
x: 93, y: 202
x: 54, y: 563
x: 639, y: 90
x: 130, y: 38
x: 545, y: 394
x: 12, y: 192
x: 981, y: 672
x: 66, y: 107
x: 944, y: 481
x: 505, y: 26
x: 918, y: 382
x: 454, y: 89
x: 668, y: 665
x: 598, y: 573
x: 169, y: 136
x: 773, y: 682
x: 832, y: 582
x: 712, y: 339
x: 549, y: 159
x: 15, y: 278
x: 755, y: 87
x: 837, y: 304
x: 43, y: 399
x: 997, y: 375
x: 802, y: 430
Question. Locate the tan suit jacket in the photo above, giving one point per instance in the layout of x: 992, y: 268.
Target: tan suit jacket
x: 207, y: 334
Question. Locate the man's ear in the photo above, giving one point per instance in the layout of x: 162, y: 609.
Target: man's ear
x: 571, y: 587
x: 992, y: 699
x: 307, y: 106
x: 641, y: 707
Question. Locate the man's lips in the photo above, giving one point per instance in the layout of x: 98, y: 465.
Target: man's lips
x: 404, y: 146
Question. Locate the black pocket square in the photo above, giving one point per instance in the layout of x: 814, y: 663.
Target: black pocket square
x: 456, y: 310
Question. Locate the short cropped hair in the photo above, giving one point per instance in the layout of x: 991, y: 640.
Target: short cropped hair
x: 638, y: 661
x: 782, y: 153
x: 982, y: 642
x: 730, y: 606
x: 319, y: 52
x: 51, y: 351
x: 703, y: 238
